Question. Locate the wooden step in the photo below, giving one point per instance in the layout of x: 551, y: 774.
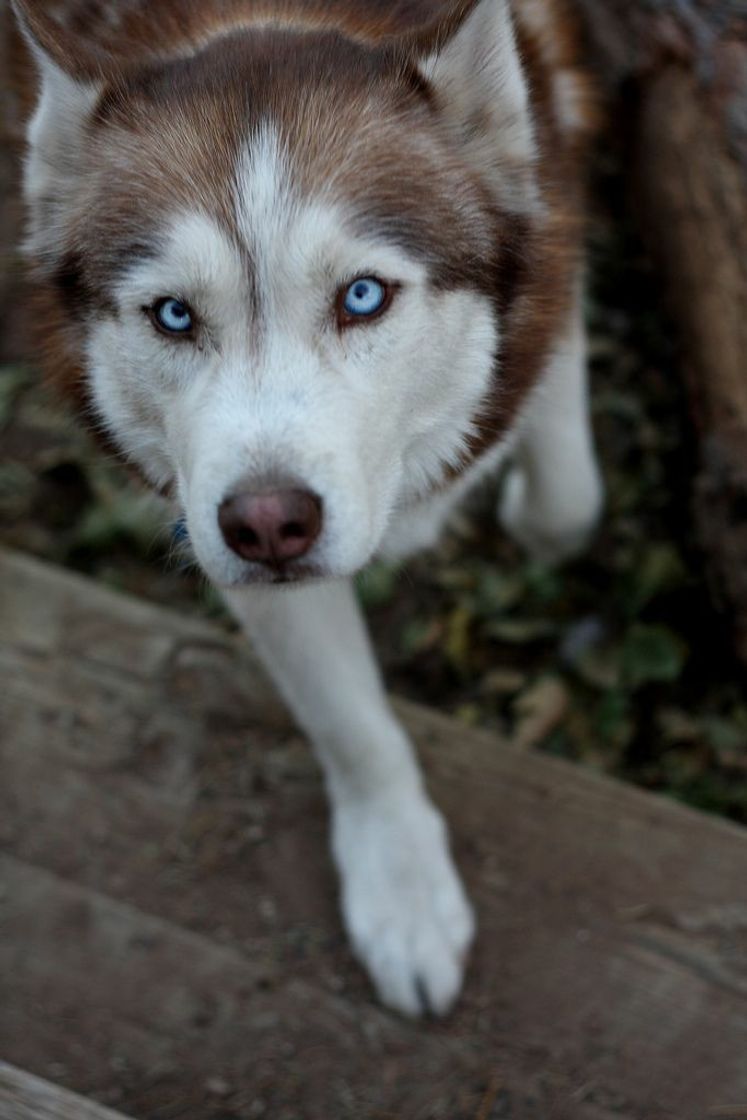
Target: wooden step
x: 169, y: 941
x: 23, y: 1097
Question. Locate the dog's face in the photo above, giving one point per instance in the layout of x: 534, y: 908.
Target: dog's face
x: 278, y: 256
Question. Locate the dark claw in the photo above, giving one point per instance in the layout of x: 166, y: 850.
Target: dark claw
x: 422, y: 993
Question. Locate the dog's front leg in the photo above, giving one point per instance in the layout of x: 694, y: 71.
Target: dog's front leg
x: 403, y: 903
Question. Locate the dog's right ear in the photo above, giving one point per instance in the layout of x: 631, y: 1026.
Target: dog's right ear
x: 56, y: 41
x: 71, y: 76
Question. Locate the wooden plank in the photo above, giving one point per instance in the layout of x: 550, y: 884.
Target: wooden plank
x: 23, y: 1097
x: 168, y: 932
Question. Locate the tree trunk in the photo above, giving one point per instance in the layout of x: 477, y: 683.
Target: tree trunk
x: 680, y: 66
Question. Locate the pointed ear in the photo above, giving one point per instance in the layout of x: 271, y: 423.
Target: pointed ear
x: 55, y: 35
x: 472, y: 63
x: 68, y: 91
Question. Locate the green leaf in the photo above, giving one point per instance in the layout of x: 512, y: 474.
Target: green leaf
x: 652, y: 654
x: 600, y: 667
x: 457, y: 641
x: 660, y: 570
x: 377, y: 585
x: 520, y: 631
x: 544, y: 585
x: 613, y: 723
x: 418, y: 635
x: 724, y: 735
x: 497, y: 591
x: 125, y: 514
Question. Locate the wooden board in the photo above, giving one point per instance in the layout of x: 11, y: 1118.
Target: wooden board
x: 23, y: 1097
x: 169, y: 943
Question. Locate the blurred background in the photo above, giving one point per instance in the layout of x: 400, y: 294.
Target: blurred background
x: 631, y: 660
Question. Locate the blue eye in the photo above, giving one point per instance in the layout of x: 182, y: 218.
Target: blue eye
x: 173, y: 316
x: 364, y: 297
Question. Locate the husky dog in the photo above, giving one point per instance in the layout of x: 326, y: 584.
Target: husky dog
x: 313, y: 266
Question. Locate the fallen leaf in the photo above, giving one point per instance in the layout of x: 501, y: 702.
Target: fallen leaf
x: 539, y: 710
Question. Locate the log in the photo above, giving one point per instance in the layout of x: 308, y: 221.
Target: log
x: 676, y: 71
x: 23, y: 1097
x: 169, y: 939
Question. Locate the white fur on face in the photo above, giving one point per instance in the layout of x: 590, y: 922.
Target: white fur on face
x: 271, y: 392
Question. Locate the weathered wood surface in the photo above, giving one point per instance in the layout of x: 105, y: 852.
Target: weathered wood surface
x: 23, y: 1097
x: 677, y: 73
x: 169, y: 943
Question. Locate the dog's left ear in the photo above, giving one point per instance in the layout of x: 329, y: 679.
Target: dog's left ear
x: 472, y: 63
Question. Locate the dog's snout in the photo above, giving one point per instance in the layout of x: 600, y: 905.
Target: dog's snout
x: 271, y: 528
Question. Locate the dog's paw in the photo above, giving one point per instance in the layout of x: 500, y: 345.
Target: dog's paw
x: 550, y: 533
x: 404, y: 907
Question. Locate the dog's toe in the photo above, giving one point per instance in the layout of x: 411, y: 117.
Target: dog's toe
x: 417, y: 972
x: 408, y: 917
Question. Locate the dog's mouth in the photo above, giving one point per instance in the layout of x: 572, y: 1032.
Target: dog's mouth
x: 281, y: 575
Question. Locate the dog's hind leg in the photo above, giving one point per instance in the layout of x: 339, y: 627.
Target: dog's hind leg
x: 553, y: 493
x: 403, y: 904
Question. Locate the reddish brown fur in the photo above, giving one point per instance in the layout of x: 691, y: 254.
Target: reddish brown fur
x: 529, y: 270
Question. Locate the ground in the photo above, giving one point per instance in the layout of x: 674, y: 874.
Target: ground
x: 620, y: 661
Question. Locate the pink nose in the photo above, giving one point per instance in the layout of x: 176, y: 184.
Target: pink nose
x: 271, y: 528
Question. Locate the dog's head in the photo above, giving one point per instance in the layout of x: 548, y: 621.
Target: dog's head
x: 278, y: 255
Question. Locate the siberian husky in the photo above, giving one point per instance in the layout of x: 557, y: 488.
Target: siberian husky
x: 314, y: 267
